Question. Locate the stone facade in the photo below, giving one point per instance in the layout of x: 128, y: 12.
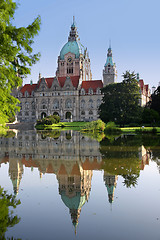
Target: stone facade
x: 72, y: 94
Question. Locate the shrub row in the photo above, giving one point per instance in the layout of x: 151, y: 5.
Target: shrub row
x: 53, y: 119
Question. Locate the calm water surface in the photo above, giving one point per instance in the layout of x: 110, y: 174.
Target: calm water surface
x: 73, y: 186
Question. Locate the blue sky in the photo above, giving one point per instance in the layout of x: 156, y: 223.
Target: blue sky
x: 132, y: 25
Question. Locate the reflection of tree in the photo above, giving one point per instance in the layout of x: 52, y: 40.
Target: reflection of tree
x: 130, y: 180
x: 7, y: 219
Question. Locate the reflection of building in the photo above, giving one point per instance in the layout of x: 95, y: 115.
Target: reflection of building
x: 110, y: 183
x: 72, y: 157
x: 15, y: 172
x: 74, y: 188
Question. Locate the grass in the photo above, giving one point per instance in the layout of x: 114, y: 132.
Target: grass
x: 66, y: 125
x: 135, y: 129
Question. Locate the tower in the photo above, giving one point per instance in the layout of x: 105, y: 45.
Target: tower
x: 109, y: 72
x: 74, y: 59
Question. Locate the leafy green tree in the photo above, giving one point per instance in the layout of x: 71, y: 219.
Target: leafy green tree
x: 121, y: 101
x: 150, y: 116
x: 155, y: 100
x: 7, y: 219
x: 16, y: 56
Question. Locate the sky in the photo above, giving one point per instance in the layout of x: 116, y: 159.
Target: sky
x: 133, y: 26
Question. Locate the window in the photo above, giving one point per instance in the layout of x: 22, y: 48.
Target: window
x: 83, y: 113
x: 98, y: 103
x: 69, y: 70
x: 55, y: 104
x: 68, y: 103
x: 90, y: 103
x: 82, y: 91
x: 26, y: 94
x: 90, y: 112
x: 26, y: 105
x: 33, y: 105
x: 90, y: 91
x: 82, y: 103
x: 98, y: 91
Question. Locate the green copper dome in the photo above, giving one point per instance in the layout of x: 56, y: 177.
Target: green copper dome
x: 75, y: 202
x: 72, y: 47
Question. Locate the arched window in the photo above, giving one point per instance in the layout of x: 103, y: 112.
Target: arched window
x: 26, y: 105
x: 90, y: 112
x: 90, y: 91
x: 43, y: 105
x: 98, y: 103
x: 68, y: 103
x: 26, y: 114
x: 26, y: 94
x: 82, y: 91
x: 83, y: 113
x: 98, y: 91
x: 55, y: 104
x: 90, y: 103
x: 82, y: 103
x: 33, y: 105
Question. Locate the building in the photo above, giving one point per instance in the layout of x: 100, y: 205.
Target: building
x: 72, y: 93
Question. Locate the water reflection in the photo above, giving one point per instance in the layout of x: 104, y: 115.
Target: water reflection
x: 72, y: 157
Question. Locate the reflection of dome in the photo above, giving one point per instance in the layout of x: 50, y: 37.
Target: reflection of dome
x: 72, y: 47
x: 74, y: 202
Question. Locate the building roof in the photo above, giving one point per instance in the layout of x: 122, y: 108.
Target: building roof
x: 74, y: 80
x: 94, y: 84
x: 72, y: 47
x: 29, y: 88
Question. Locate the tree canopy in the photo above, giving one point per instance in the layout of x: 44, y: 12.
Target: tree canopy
x: 16, y: 56
x: 155, y: 100
x: 120, y: 102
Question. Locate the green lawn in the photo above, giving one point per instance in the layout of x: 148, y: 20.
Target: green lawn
x: 133, y: 129
x: 63, y: 125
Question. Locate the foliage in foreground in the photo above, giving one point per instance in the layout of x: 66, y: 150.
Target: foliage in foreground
x: 16, y: 56
x: 7, y: 219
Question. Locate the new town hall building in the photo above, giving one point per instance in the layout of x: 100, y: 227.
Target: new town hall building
x: 72, y: 94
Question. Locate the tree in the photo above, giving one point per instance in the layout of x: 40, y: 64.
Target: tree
x: 155, y: 100
x: 7, y: 219
x: 121, y: 101
x: 16, y: 56
x: 150, y: 116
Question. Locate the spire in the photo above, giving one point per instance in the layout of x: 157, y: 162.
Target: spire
x: 110, y: 43
x: 73, y: 35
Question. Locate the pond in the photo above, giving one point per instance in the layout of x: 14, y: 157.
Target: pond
x: 73, y: 186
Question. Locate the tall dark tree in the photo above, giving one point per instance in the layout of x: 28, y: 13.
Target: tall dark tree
x: 121, y: 101
x: 155, y: 100
x: 16, y: 56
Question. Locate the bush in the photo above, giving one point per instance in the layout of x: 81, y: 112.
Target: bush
x: 111, y: 128
x: 98, y: 125
x: 53, y: 119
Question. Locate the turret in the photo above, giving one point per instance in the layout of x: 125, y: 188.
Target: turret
x: 109, y: 72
